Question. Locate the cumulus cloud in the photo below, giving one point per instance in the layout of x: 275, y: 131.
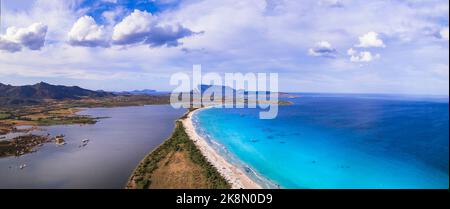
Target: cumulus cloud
x: 363, y: 56
x: 168, y: 35
x: 323, y: 49
x: 140, y: 27
x: 370, y: 39
x: 250, y: 35
x: 444, y: 33
x: 32, y: 37
x: 143, y: 27
x: 86, y: 32
x: 112, y: 16
x: 7, y: 45
x: 133, y: 28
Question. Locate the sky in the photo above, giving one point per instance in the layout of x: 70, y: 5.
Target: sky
x: 342, y: 46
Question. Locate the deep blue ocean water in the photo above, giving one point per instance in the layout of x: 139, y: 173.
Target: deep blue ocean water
x: 338, y: 141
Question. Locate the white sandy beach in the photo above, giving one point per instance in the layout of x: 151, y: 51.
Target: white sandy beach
x: 231, y: 173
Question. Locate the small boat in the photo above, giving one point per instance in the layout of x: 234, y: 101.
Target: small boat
x: 84, y: 142
x: 59, y: 140
x: 23, y: 166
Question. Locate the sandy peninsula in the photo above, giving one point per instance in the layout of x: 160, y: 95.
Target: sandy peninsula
x: 234, y: 175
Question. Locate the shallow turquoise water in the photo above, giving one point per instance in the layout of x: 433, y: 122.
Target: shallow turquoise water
x: 338, y: 141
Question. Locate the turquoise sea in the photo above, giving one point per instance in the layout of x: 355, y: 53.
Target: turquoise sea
x: 338, y: 141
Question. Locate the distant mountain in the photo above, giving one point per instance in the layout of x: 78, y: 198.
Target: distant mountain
x: 139, y: 92
x: 33, y: 94
x: 216, y: 88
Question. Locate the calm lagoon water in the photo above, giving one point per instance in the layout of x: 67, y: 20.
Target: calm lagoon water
x: 116, y: 146
x: 338, y: 141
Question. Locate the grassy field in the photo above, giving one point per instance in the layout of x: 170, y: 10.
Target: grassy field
x: 119, y: 101
x: 4, y: 115
x: 177, y: 163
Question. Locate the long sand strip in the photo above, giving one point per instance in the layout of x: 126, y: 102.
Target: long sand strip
x: 234, y: 175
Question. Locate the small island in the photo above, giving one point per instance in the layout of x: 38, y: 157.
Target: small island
x: 22, y: 145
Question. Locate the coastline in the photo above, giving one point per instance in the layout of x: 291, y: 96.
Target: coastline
x: 233, y: 174
x: 177, y: 163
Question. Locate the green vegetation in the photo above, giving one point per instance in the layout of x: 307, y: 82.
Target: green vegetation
x: 4, y: 115
x: 185, y: 116
x: 65, y: 120
x: 119, y: 101
x: 42, y: 92
x: 43, y: 115
x: 21, y: 145
x: 175, y: 150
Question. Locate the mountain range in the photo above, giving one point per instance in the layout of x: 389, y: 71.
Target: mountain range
x: 34, y: 94
x: 138, y: 92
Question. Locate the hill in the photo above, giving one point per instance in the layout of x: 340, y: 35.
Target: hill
x: 34, y: 94
x: 138, y: 92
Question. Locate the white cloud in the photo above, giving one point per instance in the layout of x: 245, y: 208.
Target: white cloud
x: 112, y: 16
x: 363, y: 56
x: 86, y: 32
x: 250, y: 35
x: 370, y: 39
x: 444, y: 33
x: 323, y: 49
x: 141, y: 27
x: 133, y: 28
x: 31, y: 37
x: 7, y: 45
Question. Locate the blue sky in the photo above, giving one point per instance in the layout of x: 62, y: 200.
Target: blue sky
x: 351, y: 46
x: 95, y: 8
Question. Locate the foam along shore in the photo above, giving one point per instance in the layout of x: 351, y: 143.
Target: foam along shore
x: 233, y: 174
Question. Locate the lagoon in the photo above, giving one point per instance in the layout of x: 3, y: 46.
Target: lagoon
x: 116, y: 145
